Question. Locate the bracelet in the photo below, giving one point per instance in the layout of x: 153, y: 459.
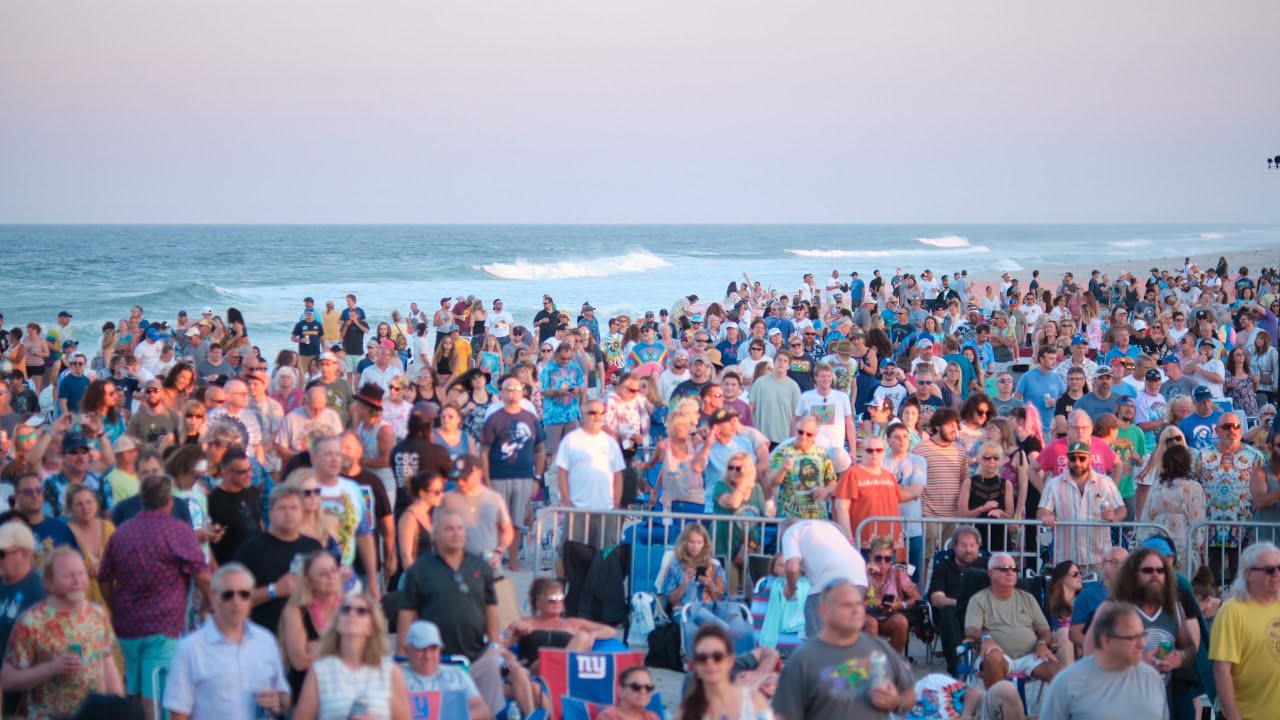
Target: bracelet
x: 271, y: 591
x: 985, y: 638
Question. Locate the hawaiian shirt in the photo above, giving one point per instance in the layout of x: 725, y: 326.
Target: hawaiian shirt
x: 42, y: 633
x: 150, y: 562
x: 561, y: 377
x: 55, y: 492
x: 810, y: 470
x: 1225, y: 478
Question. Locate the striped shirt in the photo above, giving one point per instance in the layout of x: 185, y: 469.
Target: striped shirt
x: 1068, y: 501
x: 947, y: 466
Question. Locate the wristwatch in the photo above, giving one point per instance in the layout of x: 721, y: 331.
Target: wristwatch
x: 271, y: 591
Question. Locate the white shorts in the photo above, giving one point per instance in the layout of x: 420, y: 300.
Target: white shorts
x: 1022, y: 666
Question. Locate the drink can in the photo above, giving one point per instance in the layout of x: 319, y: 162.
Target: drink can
x: 1163, y: 649
x: 879, y: 673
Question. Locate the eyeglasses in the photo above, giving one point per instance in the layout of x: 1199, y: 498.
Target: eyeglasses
x: 1074, y: 573
x: 199, y: 416
x: 1129, y: 638
x: 360, y: 610
x: 1004, y: 568
x: 311, y: 492
x: 882, y: 558
x: 1269, y: 569
x: 639, y: 687
x: 1176, y: 439
x: 226, y: 595
x: 873, y: 451
x: 31, y: 492
x: 990, y: 457
x: 1151, y: 570
x: 594, y: 412
x: 925, y: 383
x: 757, y: 349
x: 704, y: 658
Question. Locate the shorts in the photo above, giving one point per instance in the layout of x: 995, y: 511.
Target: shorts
x: 353, y: 361
x: 1022, y: 666
x: 142, y: 656
x: 517, y: 494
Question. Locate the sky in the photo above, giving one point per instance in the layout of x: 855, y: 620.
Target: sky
x: 558, y: 111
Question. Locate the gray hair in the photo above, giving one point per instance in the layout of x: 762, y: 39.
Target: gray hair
x: 963, y: 530
x: 1240, y: 586
x: 231, y: 568
x: 1109, y: 617
x: 995, y: 560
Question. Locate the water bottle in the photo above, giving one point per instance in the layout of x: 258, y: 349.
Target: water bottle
x: 879, y: 674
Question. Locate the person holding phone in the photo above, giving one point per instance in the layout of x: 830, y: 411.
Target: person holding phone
x: 889, y: 593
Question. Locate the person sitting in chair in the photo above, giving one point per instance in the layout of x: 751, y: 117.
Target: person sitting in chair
x: 956, y: 576
x: 889, y: 593
x: 548, y: 627
x: 1009, y: 628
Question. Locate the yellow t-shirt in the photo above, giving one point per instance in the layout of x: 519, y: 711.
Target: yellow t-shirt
x: 1247, y: 634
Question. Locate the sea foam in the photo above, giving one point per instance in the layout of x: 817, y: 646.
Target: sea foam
x: 522, y: 269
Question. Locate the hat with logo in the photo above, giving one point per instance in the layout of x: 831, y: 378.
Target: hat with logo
x: 1102, y: 371
x: 1201, y: 393
x: 74, y: 441
x: 1153, y: 374
x: 1079, y: 448
x: 1078, y: 339
x: 464, y: 465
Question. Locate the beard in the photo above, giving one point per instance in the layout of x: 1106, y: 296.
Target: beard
x: 1152, y: 594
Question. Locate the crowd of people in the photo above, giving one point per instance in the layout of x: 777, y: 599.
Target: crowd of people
x: 207, y: 532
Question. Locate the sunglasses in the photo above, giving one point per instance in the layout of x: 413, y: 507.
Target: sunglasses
x: 1151, y: 570
x: 882, y: 558
x: 873, y: 451
x: 734, y: 468
x: 555, y: 598
x: 1005, y: 568
x: 311, y: 492
x: 1074, y: 573
x: 713, y: 657
x: 1229, y: 426
x: 1268, y: 569
x: 802, y: 433
x: 594, y: 412
x: 360, y: 610
x: 638, y: 687
x: 990, y: 457
x: 227, y: 595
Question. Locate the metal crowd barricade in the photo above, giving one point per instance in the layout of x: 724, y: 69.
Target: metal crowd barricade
x: 650, y: 534
x: 1212, y: 542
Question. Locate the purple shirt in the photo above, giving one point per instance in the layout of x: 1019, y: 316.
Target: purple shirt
x: 150, y: 561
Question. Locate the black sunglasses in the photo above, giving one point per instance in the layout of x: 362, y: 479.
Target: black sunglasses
x: 639, y: 687
x: 226, y: 595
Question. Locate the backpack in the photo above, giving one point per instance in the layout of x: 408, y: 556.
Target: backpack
x: 664, y: 648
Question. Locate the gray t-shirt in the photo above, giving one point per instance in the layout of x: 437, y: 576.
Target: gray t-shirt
x: 481, y: 513
x: 1181, y: 387
x: 1004, y: 408
x: 823, y: 680
x: 1095, y: 406
x: 447, y: 679
x: 1085, y: 691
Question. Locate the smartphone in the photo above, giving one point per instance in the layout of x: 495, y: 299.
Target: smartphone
x: 888, y: 599
x: 701, y: 572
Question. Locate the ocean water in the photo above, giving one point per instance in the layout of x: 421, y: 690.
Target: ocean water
x: 98, y: 271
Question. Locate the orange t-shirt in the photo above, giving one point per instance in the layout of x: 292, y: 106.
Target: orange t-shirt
x: 872, y: 494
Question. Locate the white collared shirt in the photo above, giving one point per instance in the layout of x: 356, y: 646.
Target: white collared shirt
x: 212, y: 678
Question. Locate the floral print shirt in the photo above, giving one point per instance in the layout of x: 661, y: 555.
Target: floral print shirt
x: 1225, y: 479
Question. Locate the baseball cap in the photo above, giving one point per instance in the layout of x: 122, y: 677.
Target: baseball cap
x: 206, y: 310
x: 70, y: 344
x: 73, y: 441
x: 1158, y: 544
x: 1139, y: 325
x: 723, y: 415
x: 1125, y: 400
x: 682, y: 354
x: 192, y: 331
x: 888, y: 361
x: 124, y: 443
x: 16, y: 534
x: 700, y: 358
x: 1078, y: 339
x: 773, y: 331
x: 1153, y: 374
x: 1167, y: 359
x: 1102, y: 371
x: 423, y: 634
x: 464, y: 465
x: 696, y: 318
x: 925, y: 343
x: 1201, y: 393
x: 1079, y: 448
x: 328, y: 355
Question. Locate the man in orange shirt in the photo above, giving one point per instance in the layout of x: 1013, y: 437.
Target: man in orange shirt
x: 868, y: 490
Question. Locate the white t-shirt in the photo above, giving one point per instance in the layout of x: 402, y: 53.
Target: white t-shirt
x: 591, y: 461
x: 148, y: 354
x: 1217, y: 368
x: 346, y: 509
x: 830, y: 412
x: 825, y: 553
x: 500, y: 323
x: 381, y: 378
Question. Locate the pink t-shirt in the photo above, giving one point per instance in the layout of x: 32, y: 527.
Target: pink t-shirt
x: 1053, y: 460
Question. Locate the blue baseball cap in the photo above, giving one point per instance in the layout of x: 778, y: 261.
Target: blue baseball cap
x: 1158, y: 544
x: 1078, y: 339
x: 1169, y: 359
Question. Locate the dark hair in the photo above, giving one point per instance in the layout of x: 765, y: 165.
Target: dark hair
x: 975, y: 403
x: 420, y: 482
x: 232, y: 455
x: 706, y: 389
x: 941, y: 417
x: 155, y: 491
x: 1176, y: 463
x: 1125, y: 587
x: 626, y: 674
x: 1058, y: 605
x: 183, y: 460
x: 93, y: 399
x: 539, y: 588
x: 696, y: 700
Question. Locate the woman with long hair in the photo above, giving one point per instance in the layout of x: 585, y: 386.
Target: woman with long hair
x: 474, y: 399
x: 1265, y: 361
x: 1176, y: 501
x: 889, y: 593
x: 37, y: 356
x: 680, y: 483
x: 354, y: 675
x: 447, y: 360
x: 413, y: 532
x: 1265, y: 488
x: 310, y: 609
x: 450, y: 435
x: 979, y: 382
x: 478, y: 317
x: 737, y: 493
x: 286, y: 390
x: 1065, y: 584
x: 951, y: 384
x: 909, y: 414
x: 191, y: 424
x: 1240, y: 384
x: 237, y: 336
x: 712, y: 694
x: 489, y: 359
x: 426, y: 386
x: 91, y: 532
x: 17, y: 353
x: 313, y: 523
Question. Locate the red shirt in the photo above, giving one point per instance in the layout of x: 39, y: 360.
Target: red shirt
x: 871, y: 494
x: 1053, y: 460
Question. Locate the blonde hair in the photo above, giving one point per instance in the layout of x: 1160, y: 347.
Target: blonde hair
x: 375, y: 648
x: 313, y: 526
x: 683, y: 556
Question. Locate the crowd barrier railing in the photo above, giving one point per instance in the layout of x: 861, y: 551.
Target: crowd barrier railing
x: 1218, y: 543
x: 651, y: 534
